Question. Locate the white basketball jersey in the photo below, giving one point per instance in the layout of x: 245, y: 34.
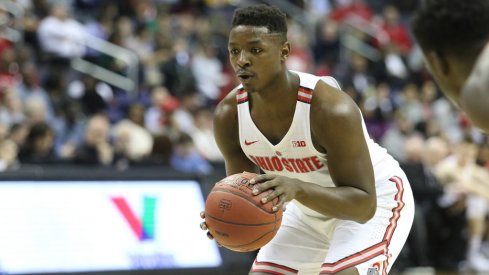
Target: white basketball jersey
x: 295, y: 155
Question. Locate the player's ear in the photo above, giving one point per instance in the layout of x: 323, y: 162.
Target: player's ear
x: 285, y: 51
x: 438, y: 62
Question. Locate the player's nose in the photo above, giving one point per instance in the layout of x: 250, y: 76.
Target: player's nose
x: 243, y: 60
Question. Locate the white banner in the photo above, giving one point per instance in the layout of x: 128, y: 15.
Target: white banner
x: 73, y: 226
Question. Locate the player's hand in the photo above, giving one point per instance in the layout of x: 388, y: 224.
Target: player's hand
x: 284, y: 188
x: 203, y: 226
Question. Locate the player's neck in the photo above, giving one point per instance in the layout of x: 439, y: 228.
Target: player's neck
x: 280, y: 92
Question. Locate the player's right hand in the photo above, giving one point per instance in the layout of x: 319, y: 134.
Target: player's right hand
x: 203, y: 226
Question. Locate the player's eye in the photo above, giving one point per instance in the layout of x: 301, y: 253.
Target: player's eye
x: 256, y: 50
x: 234, y: 51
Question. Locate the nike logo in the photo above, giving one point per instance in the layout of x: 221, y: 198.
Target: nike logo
x: 250, y: 142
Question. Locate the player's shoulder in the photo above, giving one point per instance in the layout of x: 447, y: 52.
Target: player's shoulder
x: 226, y: 109
x: 330, y: 101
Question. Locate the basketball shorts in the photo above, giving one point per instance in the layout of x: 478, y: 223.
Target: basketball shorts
x: 311, y: 245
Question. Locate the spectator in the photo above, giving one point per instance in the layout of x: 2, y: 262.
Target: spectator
x: 154, y: 116
x: 397, y: 134
x: 8, y: 150
x: 203, y: 136
x: 62, y: 38
x: 184, y: 115
x: 185, y: 157
x: 355, y: 9
x: 421, y: 158
x: 93, y: 95
x: 410, y: 104
x: 464, y: 181
x: 378, y: 111
x: 69, y: 127
x: 18, y: 133
x: 132, y: 141
x: 397, y: 33
x: 11, y: 109
x: 327, y: 46
x: 39, y: 145
x: 9, y: 68
x: 30, y: 87
x: 208, y: 72
x: 161, y: 151
x: 96, y: 148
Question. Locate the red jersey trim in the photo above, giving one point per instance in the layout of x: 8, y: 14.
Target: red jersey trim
x: 241, y: 96
x: 272, y: 268
x: 304, y: 95
x: 378, y: 249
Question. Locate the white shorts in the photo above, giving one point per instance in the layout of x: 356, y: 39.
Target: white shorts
x: 311, y: 245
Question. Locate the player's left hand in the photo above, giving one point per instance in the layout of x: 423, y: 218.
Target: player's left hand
x: 284, y: 188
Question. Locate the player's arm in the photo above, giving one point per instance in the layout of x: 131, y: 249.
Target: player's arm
x: 336, y: 124
x: 226, y: 133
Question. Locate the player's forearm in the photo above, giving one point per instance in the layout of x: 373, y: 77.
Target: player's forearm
x: 343, y: 202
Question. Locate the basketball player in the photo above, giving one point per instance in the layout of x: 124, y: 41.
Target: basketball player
x: 453, y: 36
x: 350, y: 205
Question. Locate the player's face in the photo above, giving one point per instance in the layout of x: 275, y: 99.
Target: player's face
x: 256, y: 55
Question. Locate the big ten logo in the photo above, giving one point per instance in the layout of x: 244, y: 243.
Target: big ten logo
x: 225, y: 205
x: 298, y: 143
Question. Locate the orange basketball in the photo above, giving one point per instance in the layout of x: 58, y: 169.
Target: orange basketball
x: 236, y: 218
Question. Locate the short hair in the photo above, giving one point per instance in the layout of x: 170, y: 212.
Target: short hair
x: 261, y: 15
x: 454, y: 26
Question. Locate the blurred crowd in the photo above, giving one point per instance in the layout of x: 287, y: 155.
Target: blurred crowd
x: 51, y: 113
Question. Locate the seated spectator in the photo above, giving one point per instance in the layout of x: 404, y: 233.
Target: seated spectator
x: 93, y: 95
x: 11, y: 109
x: 39, y: 145
x: 465, y: 181
x: 35, y: 110
x: 154, y: 117
x: 8, y: 155
x: 95, y: 148
x: 69, y: 128
x: 161, y: 151
x: 419, y: 162
x: 9, y: 68
x: 185, y: 157
x: 203, y: 136
x: 18, y: 133
x: 208, y: 72
x: 132, y: 142
x: 30, y: 87
x: 8, y: 150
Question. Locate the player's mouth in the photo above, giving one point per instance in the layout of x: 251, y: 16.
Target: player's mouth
x: 244, y: 77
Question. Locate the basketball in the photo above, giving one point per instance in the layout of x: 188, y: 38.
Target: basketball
x: 236, y: 218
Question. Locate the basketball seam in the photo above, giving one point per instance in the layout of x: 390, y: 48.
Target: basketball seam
x: 244, y: 197
x: 244, y: 224
x: 261, y: 237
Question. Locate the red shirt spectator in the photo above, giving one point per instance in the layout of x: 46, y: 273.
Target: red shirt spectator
x: 395, y: 31
x: 357, y: 8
